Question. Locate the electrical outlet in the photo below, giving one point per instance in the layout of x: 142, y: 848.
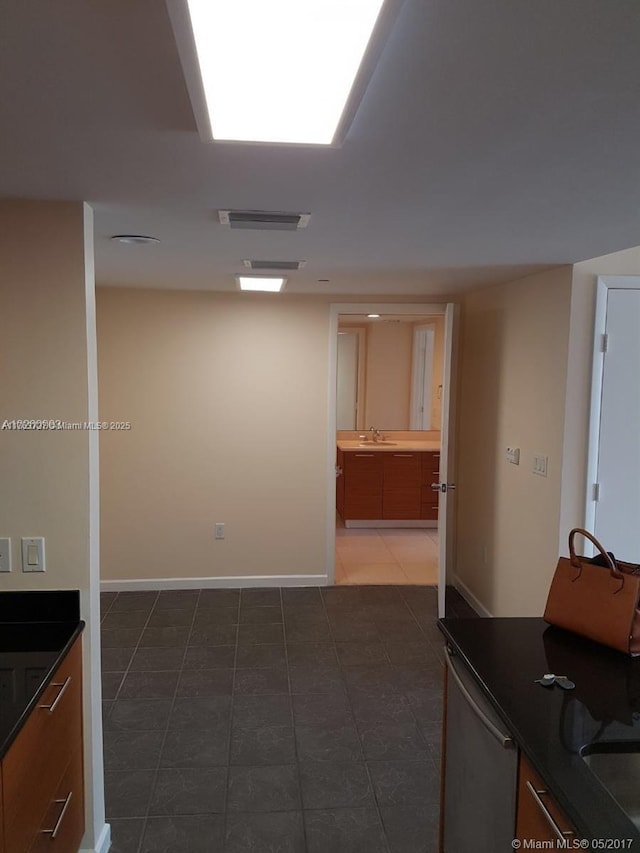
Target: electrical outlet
x: 5, y: 555
x: 219, y: 530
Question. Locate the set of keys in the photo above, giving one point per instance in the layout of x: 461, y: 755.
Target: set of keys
x: 549, y: 679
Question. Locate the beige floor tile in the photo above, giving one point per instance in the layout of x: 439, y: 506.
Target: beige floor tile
x: 413, y: 555
x: 360, y: 556
x: 421, y: 573
x: 376, y: 573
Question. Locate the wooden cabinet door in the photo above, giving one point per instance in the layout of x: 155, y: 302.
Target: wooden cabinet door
x: 401, y: 495
x: 539, y: 817
x: 362, y: 485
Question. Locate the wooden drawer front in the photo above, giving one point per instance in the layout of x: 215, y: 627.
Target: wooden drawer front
x: 429, y: 509
x: 362, y: 485
x: 401, y: 504
x: 340, y: 483
x: 65, y: 814
x: 430, y: 468
x: 401, y: 471
x: 34, y: 765
x: 532, y: 822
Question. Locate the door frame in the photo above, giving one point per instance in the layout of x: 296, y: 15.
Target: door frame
x: 450, y: 313
x: 604, y: 284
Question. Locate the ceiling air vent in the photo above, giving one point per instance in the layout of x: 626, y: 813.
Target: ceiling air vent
x: 274, y: 265
x: 264, y: 220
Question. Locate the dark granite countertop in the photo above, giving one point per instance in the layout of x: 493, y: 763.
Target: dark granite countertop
x: 37, y: 629
x: 552, y: 726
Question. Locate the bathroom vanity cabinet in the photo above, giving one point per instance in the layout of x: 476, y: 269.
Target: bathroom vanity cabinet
x: 387, y: 483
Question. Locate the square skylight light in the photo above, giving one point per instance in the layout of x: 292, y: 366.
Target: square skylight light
x: 270, y: 284
x: 275, y: 71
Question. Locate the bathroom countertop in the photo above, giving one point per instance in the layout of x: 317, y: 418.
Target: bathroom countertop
x: 551, y: 726
x: 399, y: 445
x: 37, y: 629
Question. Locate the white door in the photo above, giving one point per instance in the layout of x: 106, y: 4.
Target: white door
x: 446, y: 509
x: 616, y: 497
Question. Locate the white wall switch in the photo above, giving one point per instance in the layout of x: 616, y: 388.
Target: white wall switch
x: 219, y: 530
x: 513, y: 455
x: 540, y: 465
x: 5, y: 555
x: 33, y: 554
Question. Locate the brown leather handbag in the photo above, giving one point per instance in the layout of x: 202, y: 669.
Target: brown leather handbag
x: 597, y: 597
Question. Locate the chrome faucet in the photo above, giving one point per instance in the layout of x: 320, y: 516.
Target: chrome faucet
x: 376, y: 435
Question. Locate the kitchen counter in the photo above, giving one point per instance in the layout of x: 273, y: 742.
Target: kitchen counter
x: 552, y: 726
x: 37, y: 629
x: 399, y: 445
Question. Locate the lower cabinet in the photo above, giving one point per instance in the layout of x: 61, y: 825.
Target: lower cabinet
x: 539, y: 816
x: 387, y: 485
x: 42, y: 772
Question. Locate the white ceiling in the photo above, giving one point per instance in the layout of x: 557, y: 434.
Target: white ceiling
x: 495, y: 138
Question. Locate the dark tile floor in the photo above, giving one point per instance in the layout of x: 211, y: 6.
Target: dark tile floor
x: 259, y: 720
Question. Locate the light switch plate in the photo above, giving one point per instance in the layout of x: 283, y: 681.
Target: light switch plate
x: 5, y: 555
x: 540, y: 465
x: 513, y: 455
x: 33, y: 554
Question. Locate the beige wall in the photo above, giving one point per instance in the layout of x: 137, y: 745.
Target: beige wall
x: 49, y: 478
x: 583, y: 299
x: 227, y: 397
x: 514, y: 345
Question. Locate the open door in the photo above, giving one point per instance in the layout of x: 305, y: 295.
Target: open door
x: 446, y: 500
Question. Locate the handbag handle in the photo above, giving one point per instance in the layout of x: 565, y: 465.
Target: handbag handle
x: 575, y: 560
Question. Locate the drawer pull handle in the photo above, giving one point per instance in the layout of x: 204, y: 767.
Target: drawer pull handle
x: 559, y: 833
x: 63, y: 686
x: 405, y: 455
x: 53, y: 832
x: 365, y: 454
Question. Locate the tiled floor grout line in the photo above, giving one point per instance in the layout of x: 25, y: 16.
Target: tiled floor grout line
x: 293, y: 721
x: 225, y: 810
x: 357, y: 730
x: 166, y: 730
x: 125, y: 672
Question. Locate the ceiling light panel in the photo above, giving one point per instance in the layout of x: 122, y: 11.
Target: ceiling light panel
x: 275, y: 71
x: 269, y: 284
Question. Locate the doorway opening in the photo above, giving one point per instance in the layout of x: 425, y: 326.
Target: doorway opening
x: 390, y: 394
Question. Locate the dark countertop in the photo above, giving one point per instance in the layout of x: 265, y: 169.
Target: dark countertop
x: 552, y: 726
x: 37, y: 629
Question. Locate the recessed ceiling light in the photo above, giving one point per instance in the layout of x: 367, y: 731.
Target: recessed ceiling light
x: 278, y: 71
x: 270, y: 284
x: 373, y: 316
x: 134, y: 239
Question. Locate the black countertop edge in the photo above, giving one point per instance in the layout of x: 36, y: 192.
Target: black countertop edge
x: 598, y: 822
x: 40, y: 605
x: 78, y: 628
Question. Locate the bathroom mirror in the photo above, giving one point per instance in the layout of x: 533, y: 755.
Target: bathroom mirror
x: 389, y: 372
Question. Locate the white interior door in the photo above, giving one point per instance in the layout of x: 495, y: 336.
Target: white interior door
x: 446, y: 508
x: 616, y: 492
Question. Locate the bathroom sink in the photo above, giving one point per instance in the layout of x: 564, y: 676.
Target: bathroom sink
x: 378, y: 443
x: 616, y: 765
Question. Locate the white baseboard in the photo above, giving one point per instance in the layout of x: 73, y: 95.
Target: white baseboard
x: 470, y: 598
x: 388, y: 523
x: 124, y: 585
x: 102, y: 844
